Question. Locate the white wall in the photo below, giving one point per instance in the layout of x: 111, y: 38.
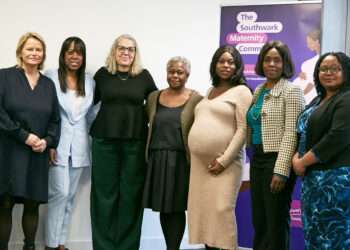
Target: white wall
x: 348, y: 31
x: 162, y: 28
x: 334, y: 25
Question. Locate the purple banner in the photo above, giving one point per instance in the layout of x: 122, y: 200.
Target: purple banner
x: 248, y: 28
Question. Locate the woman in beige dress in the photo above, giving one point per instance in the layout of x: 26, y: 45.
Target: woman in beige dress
x: 216, y: 144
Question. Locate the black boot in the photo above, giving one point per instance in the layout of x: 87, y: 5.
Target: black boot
x: 29, y: 246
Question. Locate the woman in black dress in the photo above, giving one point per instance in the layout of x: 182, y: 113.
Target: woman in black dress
x: 29, y: 126
x: 170, y: 113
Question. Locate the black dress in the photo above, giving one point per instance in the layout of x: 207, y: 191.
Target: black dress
x: 167, y: 179
x: 24, y: 173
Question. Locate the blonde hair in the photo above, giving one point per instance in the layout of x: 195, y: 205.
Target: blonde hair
x: 111, y: 64
x: 22, y: 41
x: 180, y: 59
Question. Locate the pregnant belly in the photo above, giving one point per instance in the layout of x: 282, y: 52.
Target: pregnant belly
x: 208, y: 141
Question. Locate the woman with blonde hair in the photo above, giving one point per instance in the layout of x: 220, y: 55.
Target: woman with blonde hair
x: 29, y: 127
x: 119, y: 136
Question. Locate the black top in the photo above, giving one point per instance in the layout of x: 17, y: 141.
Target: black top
x: 328, y: 132
x: 23, y: 110
x: 122, y: 113
x: 166, y: 132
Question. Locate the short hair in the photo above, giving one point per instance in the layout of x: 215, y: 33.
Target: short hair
x: 22, y: 41
x: 344, y: 62
x: 283, y: 50
x: 111, y: 64
x: 314, y: 34
x: 180, y: 59
x: 238, y: 77
x: 79, y: 46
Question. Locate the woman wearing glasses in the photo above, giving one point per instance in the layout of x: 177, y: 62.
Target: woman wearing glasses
x: 118, y: 148
x: 323, y: 156
x: 272, y: 135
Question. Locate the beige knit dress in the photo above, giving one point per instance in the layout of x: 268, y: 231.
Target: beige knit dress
x: 218, y: 132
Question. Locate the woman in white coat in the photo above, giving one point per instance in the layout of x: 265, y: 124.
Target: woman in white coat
x: 75, y: 91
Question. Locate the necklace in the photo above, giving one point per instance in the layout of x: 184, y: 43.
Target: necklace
x: 255, y: 112
x: 123, y: 78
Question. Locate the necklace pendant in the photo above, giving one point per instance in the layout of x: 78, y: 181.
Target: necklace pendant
x: 123, y: 78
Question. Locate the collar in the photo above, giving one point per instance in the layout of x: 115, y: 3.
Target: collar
x: 278, y: 87
x: 275, y: 91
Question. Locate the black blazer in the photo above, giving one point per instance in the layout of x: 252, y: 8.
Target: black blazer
x: 328, y: 132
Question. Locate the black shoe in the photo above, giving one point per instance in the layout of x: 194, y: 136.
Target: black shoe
x: 29, y: 247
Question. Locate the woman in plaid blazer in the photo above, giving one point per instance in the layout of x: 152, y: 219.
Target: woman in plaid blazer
x: 272, y: 134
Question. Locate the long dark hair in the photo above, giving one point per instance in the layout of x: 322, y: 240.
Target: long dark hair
x: 238, y: 77
x: 79, y: 46
x: 344, y: 61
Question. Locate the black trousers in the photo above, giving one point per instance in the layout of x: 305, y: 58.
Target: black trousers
x: 270, y: 210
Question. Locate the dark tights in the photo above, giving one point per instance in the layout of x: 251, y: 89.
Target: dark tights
x: 6, y: 206
x: 29, y: 220
x: 173, y: 226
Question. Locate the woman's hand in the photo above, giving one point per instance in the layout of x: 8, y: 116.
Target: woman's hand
x: 32, y: 139
x: 298, y: 166
x: 53, y: 157
x: 277, y: 184
x: 40, y: 146
x: 215, y: 168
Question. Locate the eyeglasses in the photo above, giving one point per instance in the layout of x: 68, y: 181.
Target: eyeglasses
x: 123, y: 49
x: 332, y: 69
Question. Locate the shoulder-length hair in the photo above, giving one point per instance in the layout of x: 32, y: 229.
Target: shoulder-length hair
x: 111, y: 64
x: 283, y: 50
x: 238, y: 77
x: 80, y: 48
x: 344, y: 62
x: 22, y: 41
